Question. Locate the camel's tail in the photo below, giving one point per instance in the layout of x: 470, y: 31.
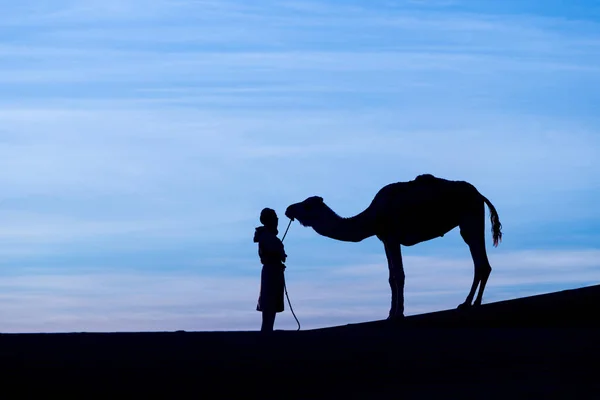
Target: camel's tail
x: 496, y: 225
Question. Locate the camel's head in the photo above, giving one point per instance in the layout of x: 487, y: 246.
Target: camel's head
x: 307, y: 211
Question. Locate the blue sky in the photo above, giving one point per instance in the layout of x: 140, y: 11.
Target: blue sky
x: 139, y: 141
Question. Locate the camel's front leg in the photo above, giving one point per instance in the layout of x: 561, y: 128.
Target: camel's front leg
x: 396, y: 279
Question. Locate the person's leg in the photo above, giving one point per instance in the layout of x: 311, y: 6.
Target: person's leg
x: 268, y: 321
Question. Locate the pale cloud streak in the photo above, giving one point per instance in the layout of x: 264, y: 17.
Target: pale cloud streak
x: 179, y: 163
x: 109, y: 300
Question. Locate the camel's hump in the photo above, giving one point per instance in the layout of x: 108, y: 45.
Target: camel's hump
x: 425, y: 176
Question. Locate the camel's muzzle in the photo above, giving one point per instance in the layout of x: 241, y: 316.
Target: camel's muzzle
x: 288, y: 213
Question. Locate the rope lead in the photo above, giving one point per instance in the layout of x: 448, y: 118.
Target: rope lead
x: 284, y: 285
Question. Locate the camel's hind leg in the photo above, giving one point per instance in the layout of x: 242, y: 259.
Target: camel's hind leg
x: 472, y: 230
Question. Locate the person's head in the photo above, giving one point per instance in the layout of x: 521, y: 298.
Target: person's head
x: 268, y: 217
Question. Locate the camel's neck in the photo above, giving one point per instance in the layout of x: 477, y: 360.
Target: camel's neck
x: 353, y: 229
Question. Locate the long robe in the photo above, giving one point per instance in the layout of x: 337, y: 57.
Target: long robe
x: 272, y: 257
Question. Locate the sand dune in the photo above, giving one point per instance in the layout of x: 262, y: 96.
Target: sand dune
x: 509, y: 349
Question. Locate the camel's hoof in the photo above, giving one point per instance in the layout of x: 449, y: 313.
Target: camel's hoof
x: 396, y: 318
x: 463, y: 306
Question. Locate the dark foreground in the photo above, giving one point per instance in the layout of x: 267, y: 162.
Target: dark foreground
x: 532, y: 347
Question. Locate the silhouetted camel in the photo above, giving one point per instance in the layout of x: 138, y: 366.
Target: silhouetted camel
x: 407, y: 213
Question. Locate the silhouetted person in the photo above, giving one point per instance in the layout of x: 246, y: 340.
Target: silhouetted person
x: 272, y: 257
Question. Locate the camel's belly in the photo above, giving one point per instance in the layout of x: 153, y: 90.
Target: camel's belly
x: 417, y: 232
x: 412, y: 238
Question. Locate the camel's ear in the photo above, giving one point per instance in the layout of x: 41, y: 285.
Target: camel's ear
x: 320, y: 199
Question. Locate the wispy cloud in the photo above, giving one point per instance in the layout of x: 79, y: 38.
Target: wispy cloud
x: 123, y: 301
